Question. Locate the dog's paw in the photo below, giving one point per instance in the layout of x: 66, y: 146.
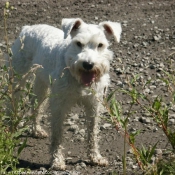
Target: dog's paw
x: 98, y: 160
x: 40, y: 133
x: 58, y: 164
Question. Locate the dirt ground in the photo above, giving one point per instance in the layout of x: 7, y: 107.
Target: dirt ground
x: 148, y: 38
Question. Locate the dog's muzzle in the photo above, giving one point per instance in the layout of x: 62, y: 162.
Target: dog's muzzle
x: 88, y: 74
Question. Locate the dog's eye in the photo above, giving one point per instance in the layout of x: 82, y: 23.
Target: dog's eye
x: 100, y: 45
x: 79, y: 44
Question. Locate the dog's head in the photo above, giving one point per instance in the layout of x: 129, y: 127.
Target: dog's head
x: 88, y: 56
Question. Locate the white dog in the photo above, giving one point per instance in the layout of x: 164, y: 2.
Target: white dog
x: 78, y: 60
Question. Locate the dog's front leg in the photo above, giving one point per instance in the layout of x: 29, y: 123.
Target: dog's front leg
x: 93, y: 119
x: 58, y: 111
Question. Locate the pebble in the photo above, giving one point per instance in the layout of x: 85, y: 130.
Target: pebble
x: 68, y: 158
x: 134, y: 166
x: 158, y: 151
x: 155, y: 129
x: 172, y: 121
x: 153, y: 87
x: 119, y: 83
x: 42, y: 168
x: 157, y: 37
x: 146, y: 91
x: 83, y: 165
x: 172, y: 116
x: 68, y: 122
x: 161, y: 65
x: 152, y: 66
x: 82, y: 132
x: 118, y: 71
x: 145, y: 120
x: 74, y: 117
x: 106, y: 126
x: 73, y: 128
x: 69, y: 152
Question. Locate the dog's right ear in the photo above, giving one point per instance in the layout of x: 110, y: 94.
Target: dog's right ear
x: 70, y: 26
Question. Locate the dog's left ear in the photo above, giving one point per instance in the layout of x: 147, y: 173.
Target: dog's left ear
x: 112, y: 29
x: 70, y: 26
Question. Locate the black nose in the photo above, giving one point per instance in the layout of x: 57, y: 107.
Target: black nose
x: 88, y: 65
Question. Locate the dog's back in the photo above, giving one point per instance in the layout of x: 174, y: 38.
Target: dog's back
x: 34, y: 45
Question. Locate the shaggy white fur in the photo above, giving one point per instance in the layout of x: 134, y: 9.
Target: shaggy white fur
x: 77, y: 59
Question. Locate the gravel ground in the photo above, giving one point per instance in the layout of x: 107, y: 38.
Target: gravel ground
x: 148, y: 39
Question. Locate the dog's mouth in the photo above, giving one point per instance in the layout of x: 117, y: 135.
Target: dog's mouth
x: 88, y: 77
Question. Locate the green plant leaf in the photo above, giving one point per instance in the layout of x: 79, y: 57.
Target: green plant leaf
x: 156, y: 104
x: 132, y: 136
x: 50, y: 80
x: 22, y: 146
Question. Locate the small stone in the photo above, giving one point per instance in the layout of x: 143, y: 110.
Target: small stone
x: 80, y: 139
x: 149, y: 127
x: 73, y: 128
x: 161, y: 65
x: 69, y: 152
x: 158, y: 75
x: 68, y: 158
x: 157, y: 38
x: 82, y: 132
x: 146, y: 91
x: 83, y: 165
x: 42, y: 168
x: 134, y: 166
x: 119, y: 83
x: 145, y: 120
x: 75, y: 117
x: 17, y: 28
x: 155, y: 129
x: 68, y: 123
x: 78, y: 167
x: 130, y: 151
x: 135, y: 45
x: 105, y: 126
x: 118, y: 71
x: 172, y: 121
x: 158, y: 151
x: 152, y: 66
x: 153, y: 87
x: 172, y: 115
x: 144, y: 44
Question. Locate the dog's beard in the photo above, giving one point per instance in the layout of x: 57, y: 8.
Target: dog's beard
x: 88, y: 77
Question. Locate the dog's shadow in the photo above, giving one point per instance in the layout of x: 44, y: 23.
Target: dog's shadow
x: 36, y: 166
x: 32, y: 166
